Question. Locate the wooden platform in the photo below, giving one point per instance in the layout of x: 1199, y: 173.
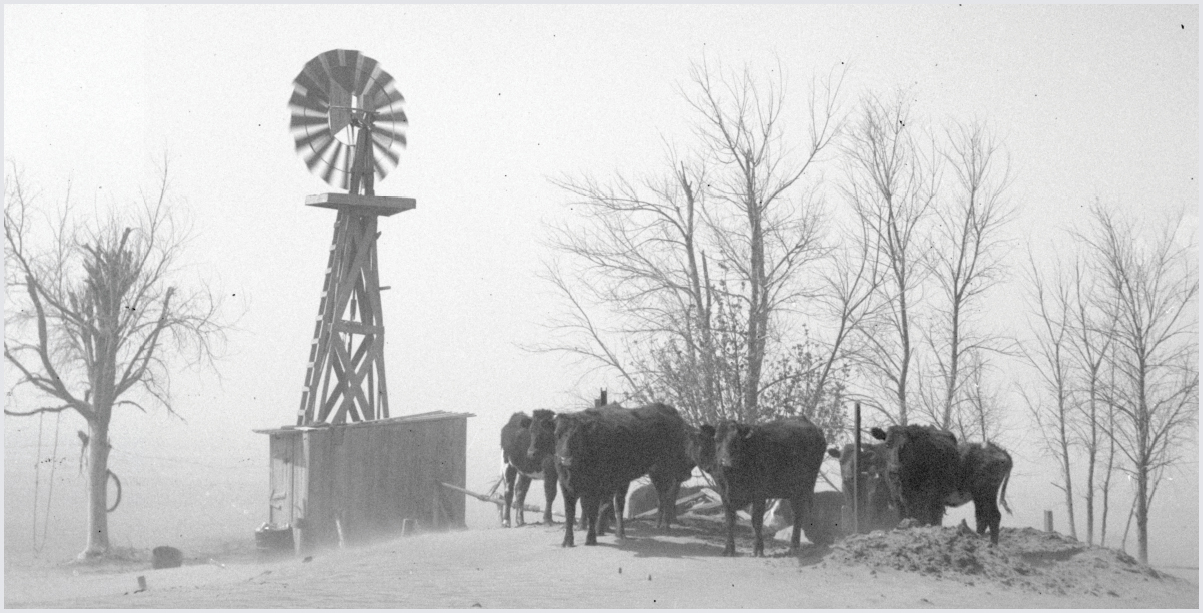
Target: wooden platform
x: 379, y: 205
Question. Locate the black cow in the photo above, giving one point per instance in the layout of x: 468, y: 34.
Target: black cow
x: 874, y: 507
x: 752, y: 463
x: 522, y: 462
x: 927, y: 470
x: 600, y: 451
x: 985, y: 468
x: 921, y: 470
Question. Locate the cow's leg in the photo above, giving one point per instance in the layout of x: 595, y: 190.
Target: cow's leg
x: 667, y: 491
x: 509, y: 474
x: 798, y: 507
x: 730, y: 548
x: 988, y: 517
x: 589, y: 507
x: 757, y: 524
x: 549, y: 493
x: 569, y: 515
x: 620, y: 505
x: 605, y: 511
x: 936, y: 510
x: 520, y: 498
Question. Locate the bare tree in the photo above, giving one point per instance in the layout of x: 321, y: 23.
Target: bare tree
x: 891, y: 188
x: 640, y: 250
x: 1151, y: 296
x: 691, y: 272
x: 1049, y: 355
x: 765, y: 231
x: 966, y: 259
x: 1090, y: 343
x: 97, y: 318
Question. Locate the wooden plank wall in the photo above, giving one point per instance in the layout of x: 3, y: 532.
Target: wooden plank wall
x: 372, y: 477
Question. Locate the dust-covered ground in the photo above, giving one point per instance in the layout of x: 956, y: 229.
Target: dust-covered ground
x: 526, y: 568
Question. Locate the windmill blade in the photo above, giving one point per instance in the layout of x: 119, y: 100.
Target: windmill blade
x: 390, y: 133
x: 333, y: 162
x: 365, y: 74
x: 385, y: 150
x: 308, y: 101
x: 305, y: 120
x: 306, y: 139
x: 314, y: 156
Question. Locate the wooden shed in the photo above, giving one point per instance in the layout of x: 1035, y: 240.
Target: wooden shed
x: 348, y: 483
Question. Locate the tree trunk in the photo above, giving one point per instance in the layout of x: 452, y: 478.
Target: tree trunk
x: 98, y: 473
x: 1065, y: 467
x: 1142, y: 515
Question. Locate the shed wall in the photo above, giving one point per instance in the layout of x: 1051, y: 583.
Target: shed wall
x: 368, y: 478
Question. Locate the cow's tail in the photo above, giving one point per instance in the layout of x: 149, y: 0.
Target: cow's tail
x: 1002, y: 492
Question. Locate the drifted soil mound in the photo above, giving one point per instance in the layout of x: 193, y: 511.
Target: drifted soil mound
x: 1025, y: 559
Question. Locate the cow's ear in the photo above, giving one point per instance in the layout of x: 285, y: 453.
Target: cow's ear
x: 525, y: 423
x: 878, y: 433
x: 708, y: 430
x: 834, y: 452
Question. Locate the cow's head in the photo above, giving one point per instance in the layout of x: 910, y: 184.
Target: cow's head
x: 542, y: 434
x: 570, y: 438
x: 730, y: 443
x: 701, y: 447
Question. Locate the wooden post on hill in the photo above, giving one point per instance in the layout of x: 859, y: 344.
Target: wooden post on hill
x: 856, y: 471
x: 1048, y: 521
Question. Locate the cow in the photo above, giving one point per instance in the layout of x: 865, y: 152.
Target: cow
x: 599, y: 451
x: 985, y: 469
x: 874, y: 507
x: 927, y: 470
x: 521, y: 462
x: 752, y: 463
x: 921, y: 470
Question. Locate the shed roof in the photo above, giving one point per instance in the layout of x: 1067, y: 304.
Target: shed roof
x: 403, y: 419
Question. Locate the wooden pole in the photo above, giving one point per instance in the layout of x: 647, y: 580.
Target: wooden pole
x: 1048, y: 521
x: 856, y: 471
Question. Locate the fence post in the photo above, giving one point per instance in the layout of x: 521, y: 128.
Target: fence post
x: 1048, y: 521
x: 856, y: 471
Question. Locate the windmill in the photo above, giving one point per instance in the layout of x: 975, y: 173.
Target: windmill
x: 347, y: 123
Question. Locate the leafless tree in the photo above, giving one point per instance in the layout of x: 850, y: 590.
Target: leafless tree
x: 1151, y: 295
x: 967, y: 260
x: 692, y: 271
x: 891, y: 188
x: 766, y: 231
x: 93, y: 319
x: 637, y: 263
x: 1089, y: 344
x: 1049, y: 354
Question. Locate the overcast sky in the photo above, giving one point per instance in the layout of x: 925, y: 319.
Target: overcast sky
x: 1090, y: 100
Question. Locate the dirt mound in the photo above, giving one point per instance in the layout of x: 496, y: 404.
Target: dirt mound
x: 1025, y: 558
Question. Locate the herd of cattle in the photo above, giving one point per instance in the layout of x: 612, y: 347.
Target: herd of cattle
x: 593, y: 455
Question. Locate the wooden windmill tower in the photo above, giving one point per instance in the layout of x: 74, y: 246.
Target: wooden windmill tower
x: 348, y: 123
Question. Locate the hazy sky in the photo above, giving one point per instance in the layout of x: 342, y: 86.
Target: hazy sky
x: 1091, y: 101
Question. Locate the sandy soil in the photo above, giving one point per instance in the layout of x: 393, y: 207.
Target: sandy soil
x: 526, y: 568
